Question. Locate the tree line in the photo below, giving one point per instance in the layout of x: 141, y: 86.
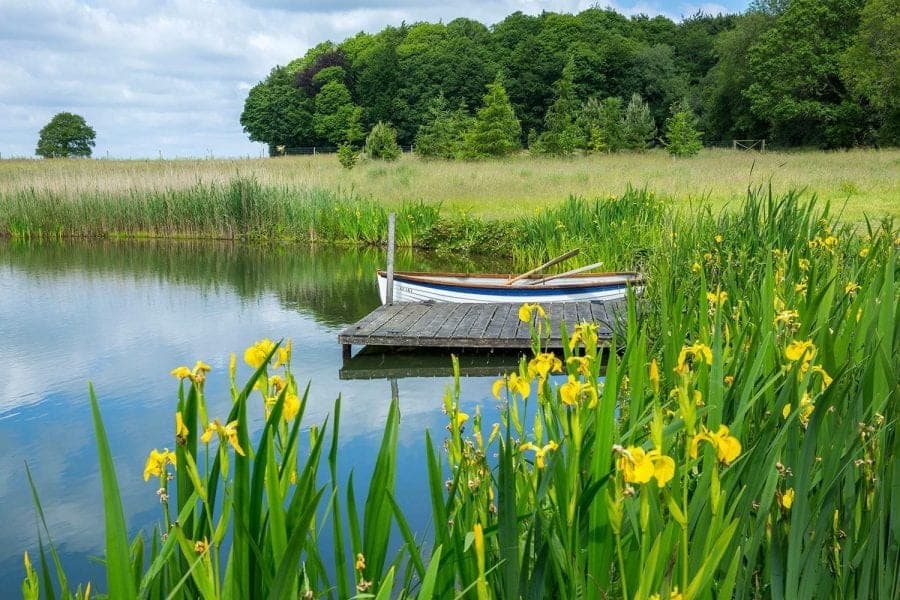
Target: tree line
x: 820, y: 73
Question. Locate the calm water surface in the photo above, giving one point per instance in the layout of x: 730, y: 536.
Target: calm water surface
x: 122, y: 315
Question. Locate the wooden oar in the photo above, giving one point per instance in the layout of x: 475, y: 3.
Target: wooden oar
x: 549, y: 263
x: 567, y: 273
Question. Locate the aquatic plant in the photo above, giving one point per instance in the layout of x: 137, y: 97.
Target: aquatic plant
x: 742, y: 445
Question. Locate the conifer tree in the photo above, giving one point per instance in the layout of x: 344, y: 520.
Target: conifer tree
x: 442, y: 135
x: 381, y: 143
x: 562, y: 135
x: 638, y: 127
x: 601, y: 123
x: 496, y: 130
x: 682, y: 136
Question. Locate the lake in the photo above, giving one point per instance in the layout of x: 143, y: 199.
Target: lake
x: 122, y: 315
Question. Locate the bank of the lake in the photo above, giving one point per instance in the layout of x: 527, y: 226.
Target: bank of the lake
x: 301, y: 197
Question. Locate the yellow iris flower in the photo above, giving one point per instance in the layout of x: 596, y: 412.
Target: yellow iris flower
x: 156, y: 463
x: 527, y: 311
x: 543, y: 364
x: 639, y: 466
x: 585, y: 333
x: 226, y: 432
x: 806, y: 409
x: 800, y: 350
x: 514, y: 383
x: 181, y: 372
x: 826, y: 378
x: 698, y: 351
x: 717, y: 298
x: 583, y: 362
x: 256, y: 354
x: 786, y: 317
x: 539, y: 452
x: 283, y: 355
x: 727, y: 446
x: 198, y: 374
x: 573, y: 391
x: 787, y: 499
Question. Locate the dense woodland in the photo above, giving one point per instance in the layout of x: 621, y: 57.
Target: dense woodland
x: 820, y: 73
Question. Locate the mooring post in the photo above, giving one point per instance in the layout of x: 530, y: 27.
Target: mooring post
x: 392, y: 222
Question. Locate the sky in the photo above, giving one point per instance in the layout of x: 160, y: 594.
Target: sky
x: 168, y: 78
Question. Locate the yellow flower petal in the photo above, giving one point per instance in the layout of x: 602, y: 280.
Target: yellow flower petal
x: 663, y: 469
x: 797, y: 350
x: 787, y: 499
x: 525, y: 313
x: 291, y: 406
x: 180, y: 429
x: 181, y: 372
x: 568, y: 392
x: 654, y: 376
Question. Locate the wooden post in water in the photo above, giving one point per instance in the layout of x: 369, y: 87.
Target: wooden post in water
x: 392, y: 222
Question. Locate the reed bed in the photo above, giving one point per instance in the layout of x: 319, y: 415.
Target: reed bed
x: 742, y: 443
x: 867, y: 180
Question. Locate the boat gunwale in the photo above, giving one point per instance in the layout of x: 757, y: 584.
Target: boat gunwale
x: 426, y: 277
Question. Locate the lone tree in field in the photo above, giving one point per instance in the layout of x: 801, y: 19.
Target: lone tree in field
x: 496, y: 131
x: 682, y: 136
x: 66, y: 135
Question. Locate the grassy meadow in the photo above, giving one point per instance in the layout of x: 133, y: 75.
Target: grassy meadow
x: 68, y: 192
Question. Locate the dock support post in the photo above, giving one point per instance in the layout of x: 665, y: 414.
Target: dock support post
x: 392, y: 223
x: 346, y: 351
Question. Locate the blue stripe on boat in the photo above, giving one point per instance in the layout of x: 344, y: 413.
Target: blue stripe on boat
x: 514, y: 292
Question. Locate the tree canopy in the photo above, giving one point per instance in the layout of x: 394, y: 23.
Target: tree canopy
x: 796, y: 72
x: 67, y: 135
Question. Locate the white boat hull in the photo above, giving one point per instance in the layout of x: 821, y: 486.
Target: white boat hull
x: 458, y: 289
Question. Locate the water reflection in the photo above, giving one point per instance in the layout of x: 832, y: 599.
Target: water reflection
x: 122, y: 315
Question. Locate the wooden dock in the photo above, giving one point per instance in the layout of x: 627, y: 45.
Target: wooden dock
x: 458, y: 325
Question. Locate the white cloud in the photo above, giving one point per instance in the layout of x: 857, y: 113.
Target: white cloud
x: 172, y: 76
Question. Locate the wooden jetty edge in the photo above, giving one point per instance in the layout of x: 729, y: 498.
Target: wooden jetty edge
x: 471, y: 325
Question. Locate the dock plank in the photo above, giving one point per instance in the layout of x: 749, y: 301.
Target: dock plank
x: 460, y: 325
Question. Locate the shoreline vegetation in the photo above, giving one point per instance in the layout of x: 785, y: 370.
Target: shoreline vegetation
x: 451, y: 206
x: 742, y: 444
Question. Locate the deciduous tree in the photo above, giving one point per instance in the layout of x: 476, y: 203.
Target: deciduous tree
x: 67, y: 135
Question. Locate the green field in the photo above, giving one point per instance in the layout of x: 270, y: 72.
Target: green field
x: 868, y: 181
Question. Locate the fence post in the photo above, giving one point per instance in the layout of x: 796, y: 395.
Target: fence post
x: 763, y: 149
x: 389, y: 296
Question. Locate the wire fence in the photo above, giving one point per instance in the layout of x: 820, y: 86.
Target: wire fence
x: 314, y: 150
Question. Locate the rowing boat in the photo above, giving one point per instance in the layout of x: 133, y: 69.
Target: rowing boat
x: 461, y: 287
